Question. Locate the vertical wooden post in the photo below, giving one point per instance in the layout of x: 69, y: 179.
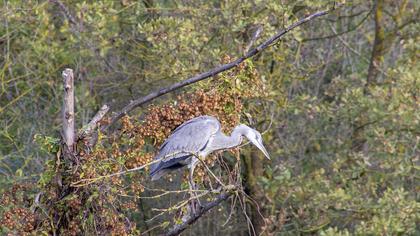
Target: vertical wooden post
x: 68, y: 110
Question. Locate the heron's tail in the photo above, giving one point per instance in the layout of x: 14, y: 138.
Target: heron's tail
x: 154, y: 169
x: 161, y: 168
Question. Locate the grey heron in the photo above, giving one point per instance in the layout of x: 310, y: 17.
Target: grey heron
x: 199, y: 137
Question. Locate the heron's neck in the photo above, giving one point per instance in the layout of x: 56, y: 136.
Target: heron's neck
x: 223, y: 141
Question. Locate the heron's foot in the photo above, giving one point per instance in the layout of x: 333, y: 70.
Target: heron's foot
x: 194, y: 202
x: 194, y: 192
x: 194, y: 206
x: 192, y: 209
x: 195, y: 195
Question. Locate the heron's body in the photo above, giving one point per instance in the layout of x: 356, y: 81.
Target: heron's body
x: 198, y: 137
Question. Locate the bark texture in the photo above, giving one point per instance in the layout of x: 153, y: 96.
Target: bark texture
x: 254, y: 168
x: 68, y: 111
x: 378, y: 45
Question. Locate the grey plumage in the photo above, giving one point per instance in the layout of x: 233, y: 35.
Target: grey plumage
x: 198, y: 137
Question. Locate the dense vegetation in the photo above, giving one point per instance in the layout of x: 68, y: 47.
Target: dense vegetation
x: 337, y: 100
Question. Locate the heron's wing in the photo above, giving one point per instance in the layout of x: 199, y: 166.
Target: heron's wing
x: 200, y: 119
x: 190, y: 137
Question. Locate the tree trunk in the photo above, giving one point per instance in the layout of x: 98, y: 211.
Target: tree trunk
x: 253, y: 169
x: 378, y: 46
x: 358, y: 139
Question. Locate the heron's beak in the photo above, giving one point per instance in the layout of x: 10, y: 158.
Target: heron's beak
x: 261, y: 147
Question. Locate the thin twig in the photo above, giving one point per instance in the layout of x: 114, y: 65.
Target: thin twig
x: 232, y: 207
x: 342, y: 32
x: 208, y: 170
x: 176, y: 206
x: 84, y: 182
x: 347, y: 45
x: 169, y: 192
x: 248, y: 219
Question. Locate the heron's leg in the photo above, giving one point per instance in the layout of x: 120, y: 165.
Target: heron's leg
x: 193, y: 187
x: 191, y: 177
x: 191, y: 184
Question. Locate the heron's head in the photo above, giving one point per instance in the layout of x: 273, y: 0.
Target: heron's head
x: 254, y: 137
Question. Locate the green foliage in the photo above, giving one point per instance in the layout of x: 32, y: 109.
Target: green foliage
x: 47, y: 144
x: 370, y: 190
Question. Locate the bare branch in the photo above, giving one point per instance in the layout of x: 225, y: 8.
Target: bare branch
x: 68, y: 109
x: 84, y: 182
x: 189, y: 220
x: 254, y: 38
x: 217, y: 70
x: 360, y: 23
x: 91, y: 126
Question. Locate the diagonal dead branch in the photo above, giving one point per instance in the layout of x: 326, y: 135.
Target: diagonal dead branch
x: 91, y: 126
x: 200, y: 212
x: 217, y: 70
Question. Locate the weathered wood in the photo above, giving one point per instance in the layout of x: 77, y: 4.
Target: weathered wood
x: 68, y: 110
x: 91, y: 126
